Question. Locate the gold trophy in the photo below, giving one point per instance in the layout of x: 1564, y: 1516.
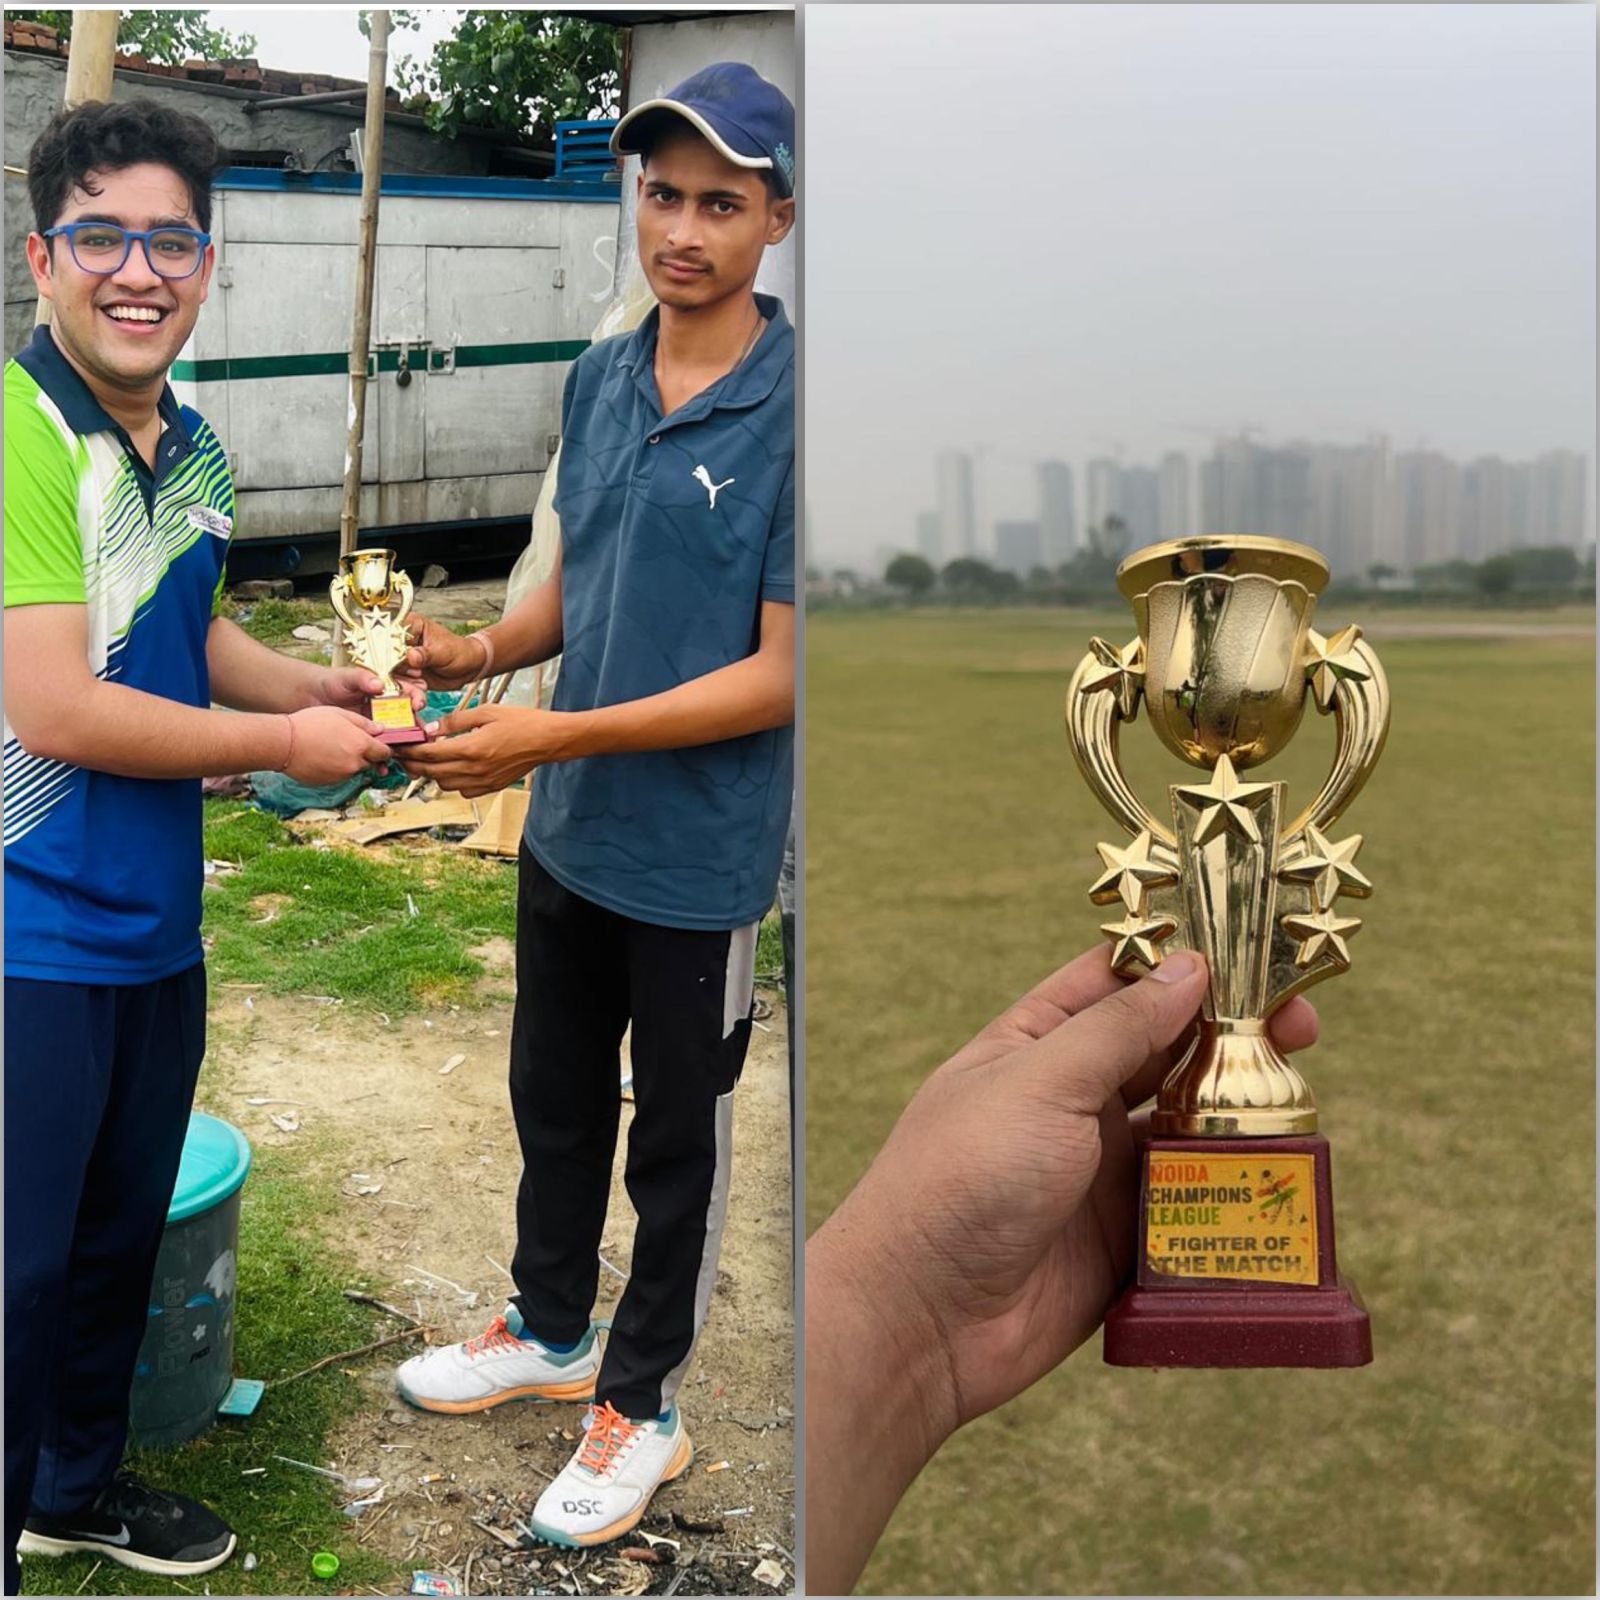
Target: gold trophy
x: 372, y: 597
x: 1236, y: 1263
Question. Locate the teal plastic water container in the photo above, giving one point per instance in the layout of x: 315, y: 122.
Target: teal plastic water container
x: 185, y: 1364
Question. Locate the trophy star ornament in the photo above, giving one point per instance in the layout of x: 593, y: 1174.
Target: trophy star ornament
x: 1333, y: 661
x: 1225, y: 662
x: 1129, y: 873
x: 1121, y: 671
x: 1329, y: 867
x: 1137, y: 938
x: 1323, y: 933
x: 1226, y: 805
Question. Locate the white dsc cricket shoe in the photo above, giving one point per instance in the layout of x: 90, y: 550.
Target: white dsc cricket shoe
x: 606, y: 1487
x: 503, y: 1363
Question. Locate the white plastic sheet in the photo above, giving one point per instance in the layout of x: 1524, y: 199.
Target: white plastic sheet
x: 536, y: 685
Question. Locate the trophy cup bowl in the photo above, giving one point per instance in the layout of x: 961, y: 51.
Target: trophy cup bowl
x: 1224, y: 624
x: 369, y: 575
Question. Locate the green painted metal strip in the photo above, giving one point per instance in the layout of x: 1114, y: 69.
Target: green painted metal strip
x: 242, y: 367
x: 516, y: 355
x: 238, y: 369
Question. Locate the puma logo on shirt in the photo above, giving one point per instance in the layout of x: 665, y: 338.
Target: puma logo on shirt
x: 703, y: 478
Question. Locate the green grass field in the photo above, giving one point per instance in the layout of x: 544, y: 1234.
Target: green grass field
x: 949, y: 847
x: 391, y: 928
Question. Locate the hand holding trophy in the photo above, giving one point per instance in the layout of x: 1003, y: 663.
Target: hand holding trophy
x: 1236, y: 1263
x: 371, y: 597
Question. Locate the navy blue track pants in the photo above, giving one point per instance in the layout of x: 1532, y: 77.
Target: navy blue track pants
x: 583, y: 974
x: 99, y: 1081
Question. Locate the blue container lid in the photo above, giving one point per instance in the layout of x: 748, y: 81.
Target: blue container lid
x: 216, y: 1160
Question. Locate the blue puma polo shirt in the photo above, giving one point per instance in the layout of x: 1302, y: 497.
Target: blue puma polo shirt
x: 674, y: 530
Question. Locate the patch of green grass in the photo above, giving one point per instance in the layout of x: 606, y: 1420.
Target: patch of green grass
x: 393, y: 929
x: 950, y: 845
x: 242, y: 833
x: 769, y: 947
x: 273, y: 621
x: 290, y: 1313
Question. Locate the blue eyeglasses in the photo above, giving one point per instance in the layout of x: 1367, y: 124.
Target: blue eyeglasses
x: 103, y: 247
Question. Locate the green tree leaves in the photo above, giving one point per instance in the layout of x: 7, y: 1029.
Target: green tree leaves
x: 520, y: 71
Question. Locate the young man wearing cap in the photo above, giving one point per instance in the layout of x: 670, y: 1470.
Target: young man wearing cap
x: 657, y: 824
x: 118, y: 510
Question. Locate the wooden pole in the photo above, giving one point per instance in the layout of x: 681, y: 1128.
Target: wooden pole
x: 361, y: 337
x: 91, y: 54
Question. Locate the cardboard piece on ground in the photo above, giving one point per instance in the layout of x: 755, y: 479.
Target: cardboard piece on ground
x: 500, y: 832
x: 446, y: 811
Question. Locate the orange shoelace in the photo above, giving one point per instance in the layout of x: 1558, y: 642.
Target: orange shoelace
x: 497, y: 1336
x: 608, y: 1432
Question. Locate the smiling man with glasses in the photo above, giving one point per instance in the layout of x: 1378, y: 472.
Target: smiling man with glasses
x: 118, y: 512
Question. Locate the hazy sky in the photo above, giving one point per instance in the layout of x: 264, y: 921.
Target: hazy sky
x: 1054, y: 231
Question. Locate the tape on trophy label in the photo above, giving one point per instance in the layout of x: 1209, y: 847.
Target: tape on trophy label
x: 393, y: 711
x: 1231, y: 1216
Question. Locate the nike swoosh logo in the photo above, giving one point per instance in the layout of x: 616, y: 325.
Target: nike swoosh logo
x: 105, y: 1538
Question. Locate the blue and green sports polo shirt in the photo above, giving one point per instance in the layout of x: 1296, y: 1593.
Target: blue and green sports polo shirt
x: 103, y: 873
x: 674, y: 530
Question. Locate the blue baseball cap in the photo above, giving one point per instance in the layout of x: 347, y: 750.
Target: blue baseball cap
x: 745, y: 118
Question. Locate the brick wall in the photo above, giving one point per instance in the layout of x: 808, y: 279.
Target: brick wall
x: 41, y: 39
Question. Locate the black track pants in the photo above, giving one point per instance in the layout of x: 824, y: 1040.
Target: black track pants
x: 98, y: 1084
x: 583, y: 973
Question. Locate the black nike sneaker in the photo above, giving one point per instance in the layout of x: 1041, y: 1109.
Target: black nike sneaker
x: 139, y: 1526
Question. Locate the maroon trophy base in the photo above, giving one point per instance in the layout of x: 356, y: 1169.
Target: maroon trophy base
x: 1189, y: 1315
x: 397, y: 719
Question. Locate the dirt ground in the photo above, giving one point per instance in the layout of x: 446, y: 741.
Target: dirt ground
x: 474, y: 600
x: 425, y: 1163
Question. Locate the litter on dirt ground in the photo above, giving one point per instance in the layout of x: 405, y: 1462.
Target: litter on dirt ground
x: 410, y: 815
x: 433, y: 1583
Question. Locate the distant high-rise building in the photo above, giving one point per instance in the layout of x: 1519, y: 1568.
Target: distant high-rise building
x: 1058, y: 521
x: 1102, y: 491
x: 1362, y: 505
x: 1224, y: 486
x: 1427, y: 508
x: 1352, y: 518
x: 930, y: 538
x: 1558, y: 499
x: 1281, y: 493
x: 958, y: 522
x: 1138, y: 497
x: 1248, y: 488
x: 1488, y: 490
x: 1176, y: 522
x: 1212, y: 480
x: 1139, y: 505
x: 1018, y: 547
